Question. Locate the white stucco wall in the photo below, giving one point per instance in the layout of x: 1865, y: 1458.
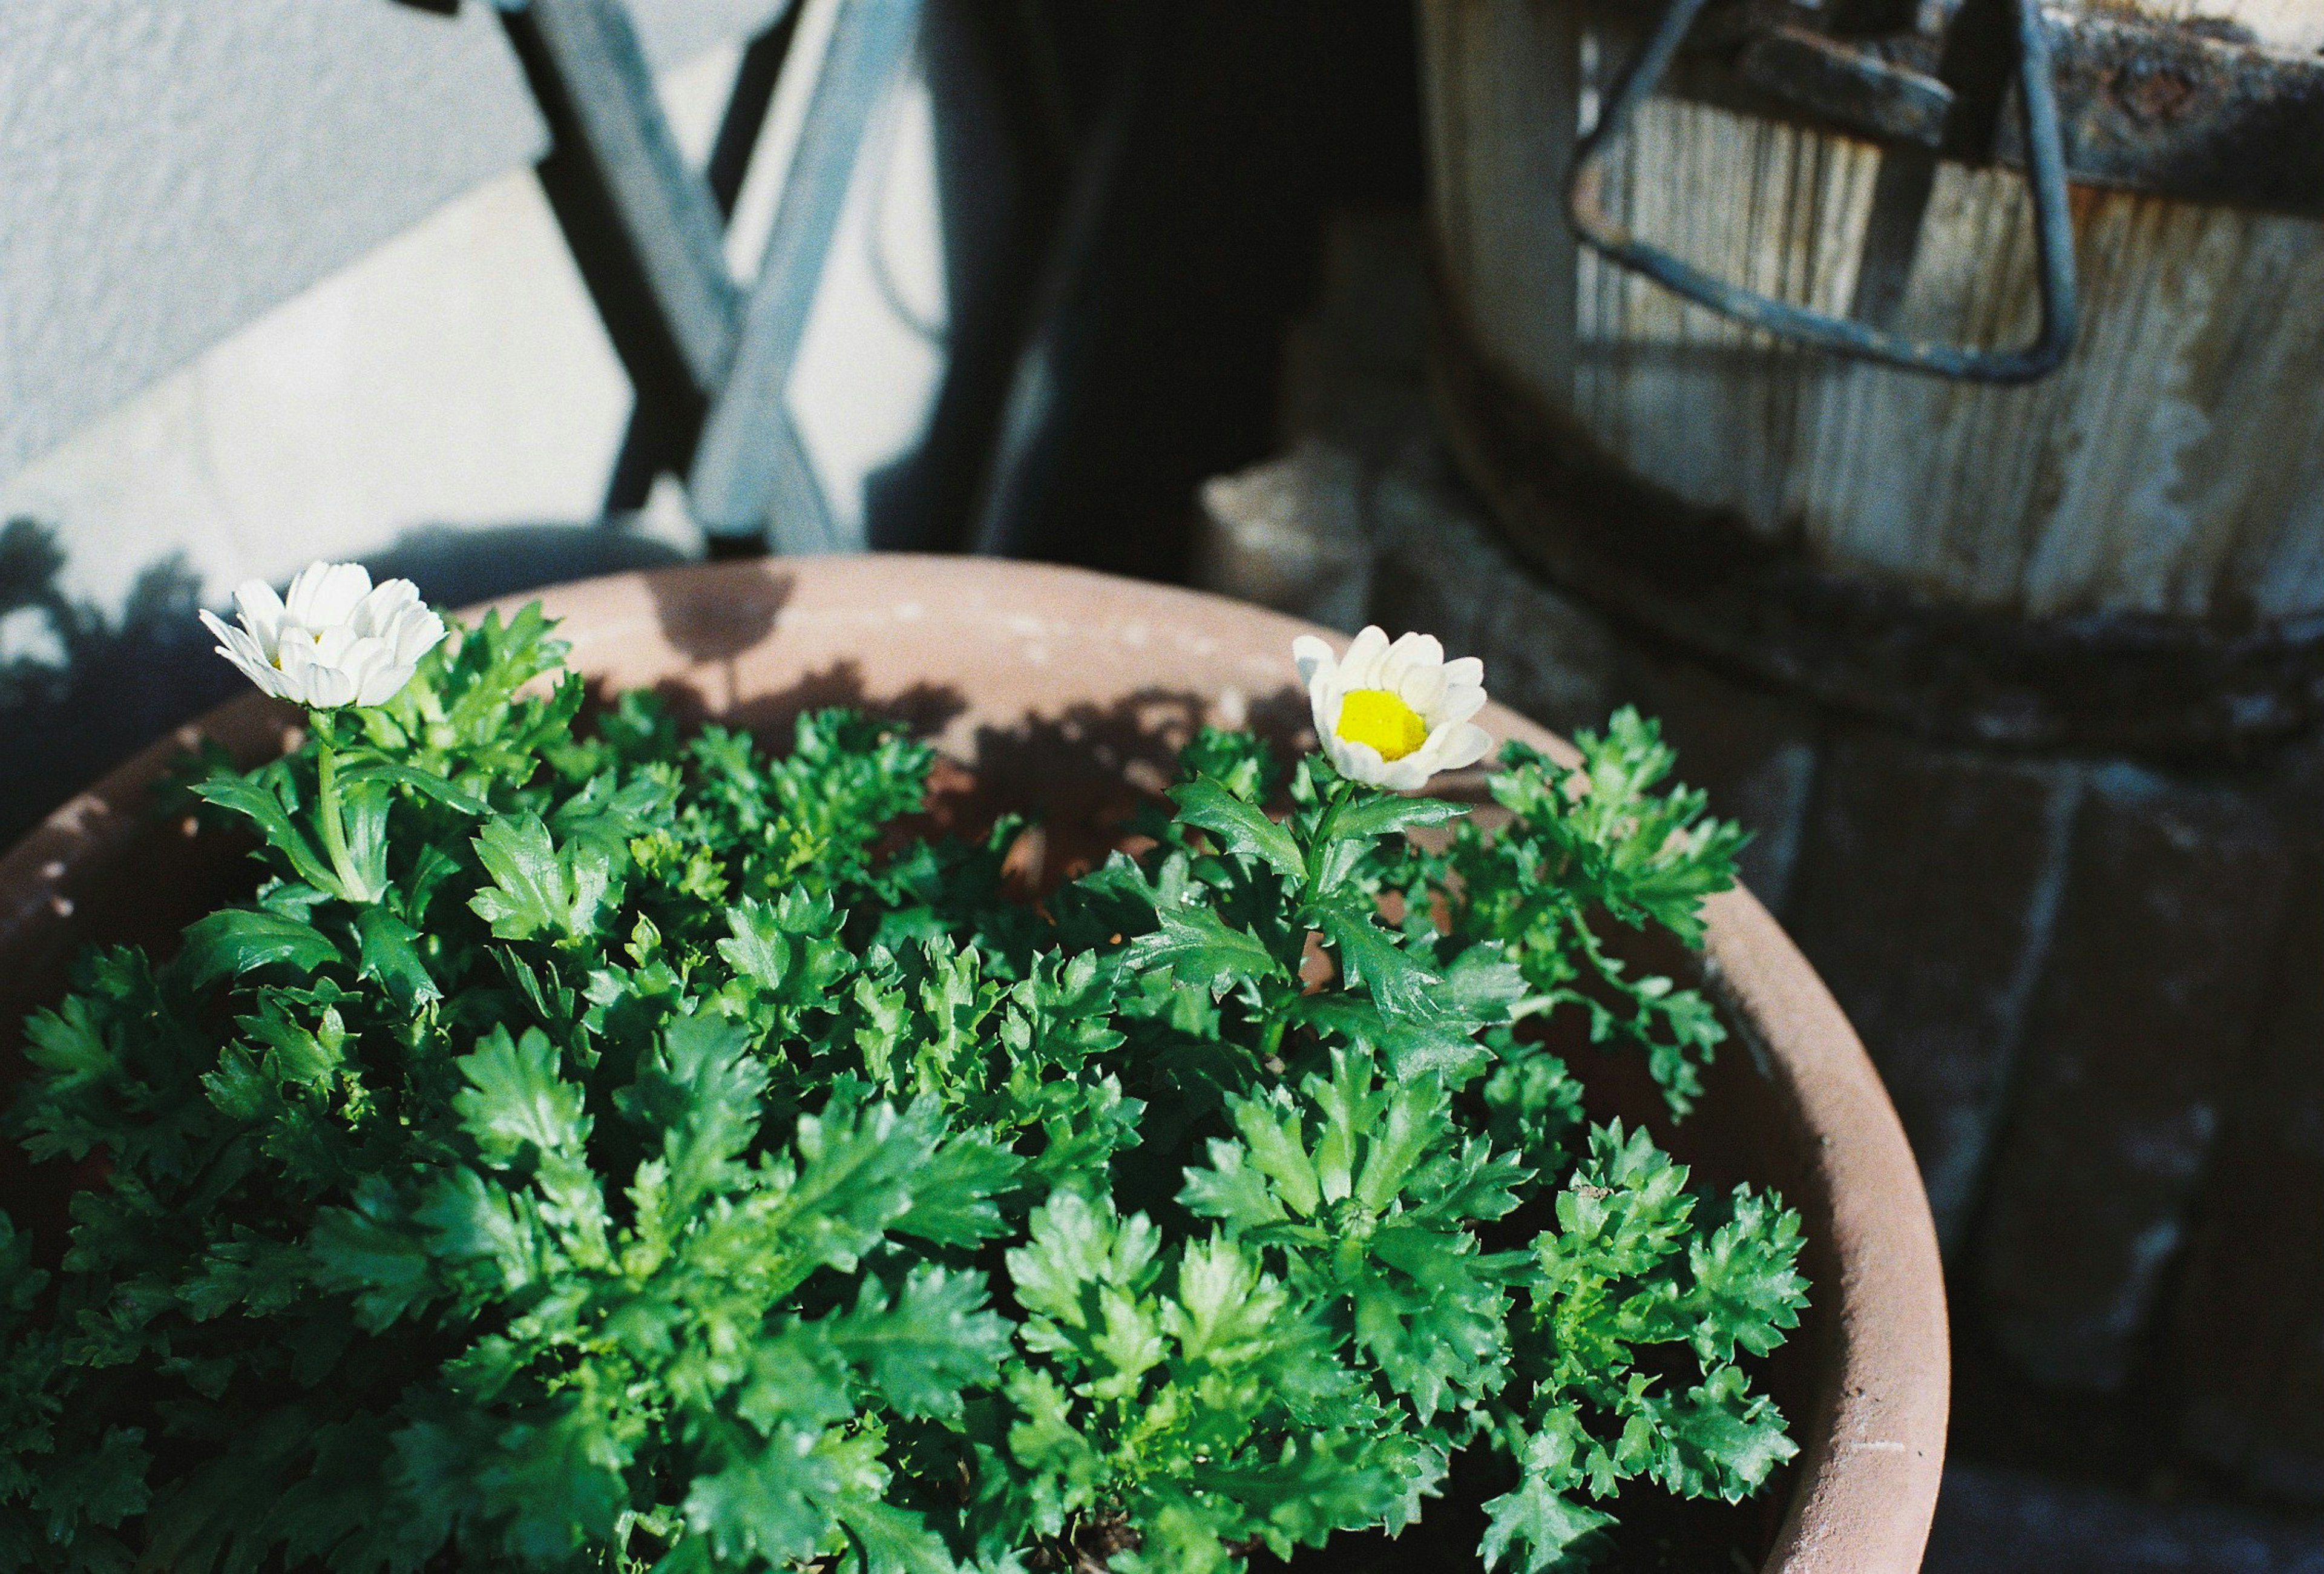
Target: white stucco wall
x: 170, y: 169
x: 456, y: 375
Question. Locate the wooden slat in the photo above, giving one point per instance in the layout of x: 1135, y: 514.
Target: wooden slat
x: 2174, y: 466
x: 1500, y: 121
x: 663, y: 209
x: 751, y: 472
x: 660, y: 438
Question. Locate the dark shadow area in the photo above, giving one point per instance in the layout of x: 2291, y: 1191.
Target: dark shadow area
x: 923, y: 708
x: 454, y: 566
x: 988, y: 190
x: 703, y: 629
x: 1155, y: 361
x: 79, y: 690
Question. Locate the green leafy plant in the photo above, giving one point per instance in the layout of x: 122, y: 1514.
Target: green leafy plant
x: 596, y: 1147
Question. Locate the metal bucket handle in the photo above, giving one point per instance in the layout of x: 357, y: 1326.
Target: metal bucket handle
x: 2054, y: 235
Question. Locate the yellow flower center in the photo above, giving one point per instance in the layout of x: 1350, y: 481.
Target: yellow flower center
x: 1382, y: 719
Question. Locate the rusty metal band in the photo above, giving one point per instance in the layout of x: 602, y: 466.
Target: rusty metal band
x: 2198, y: 110
x: 1695, y: 579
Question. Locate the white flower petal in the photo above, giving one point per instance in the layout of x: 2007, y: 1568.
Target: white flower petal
x: 1459, y: 705
x: 239, y: 643
x: 1324, y: 702
x: 363, y: 656
x: 294, y: 664
x: 1360, y: 668
x: 1465, y: 744
x: 1445, y: 695
x: 325, y: 594
x: 371, y: 662
x: 1422, y: 689
x: 384, y: 607
x: 1409, y: 653
x: 261, y: 611
x: 236, y: 647
x: 384, y: 683
x: 1357, y: 761
x: 1312, y: 655
x: 329, y: 687
x: 334, y: 645
x: 263, y: 673
x: 335, y: 639
x: 230, y: 638
x: 1408, y: 774
x: 417, y: 632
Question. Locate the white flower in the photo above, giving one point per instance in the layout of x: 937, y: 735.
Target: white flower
x: 1394, y: 714
x: 334, y: 640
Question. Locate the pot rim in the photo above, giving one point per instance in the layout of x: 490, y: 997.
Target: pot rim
x: 1872, y: 1440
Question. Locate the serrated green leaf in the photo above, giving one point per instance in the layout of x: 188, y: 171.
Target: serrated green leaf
x: 536, y: 887
x: 1386, y: 813
x: 236, y: 940
x: 354, y: 1269
x: 1399, y: 986
x: 1203, y: 951
x: 389, y: 951
x: 428, y: 785
x: 953, y: 1194
x: 936, y: 1339
x: 516, y: 1097
x: 1243, y: 827
x: 894, y: 1540
x: 248, y: 797
x: 1538, y: 1527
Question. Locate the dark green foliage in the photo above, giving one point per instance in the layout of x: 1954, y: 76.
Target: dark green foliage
x: 634, y: 1152
x: 1597, y: 842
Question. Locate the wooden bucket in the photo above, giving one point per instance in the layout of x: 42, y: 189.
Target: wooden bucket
x: 2127, y: 553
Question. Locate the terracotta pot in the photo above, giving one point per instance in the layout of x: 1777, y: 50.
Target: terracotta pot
x: 1066, y: 693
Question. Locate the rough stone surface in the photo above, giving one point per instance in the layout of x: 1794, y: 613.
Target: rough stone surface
x: 2138, y: 1033
x: 1292, y: 533
x: 2248, y: 1351
x: 2006, y: 1521
x: 1927, y: 882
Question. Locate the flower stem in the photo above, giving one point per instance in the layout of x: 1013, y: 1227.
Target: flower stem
x: 1270, y: 1042
x: 1326, y: 826
x: 352, y: 886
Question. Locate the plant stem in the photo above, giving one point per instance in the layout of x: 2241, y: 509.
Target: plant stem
x: 352, y: 884
x: 1341, y: 791
x: 1270, y: 1042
